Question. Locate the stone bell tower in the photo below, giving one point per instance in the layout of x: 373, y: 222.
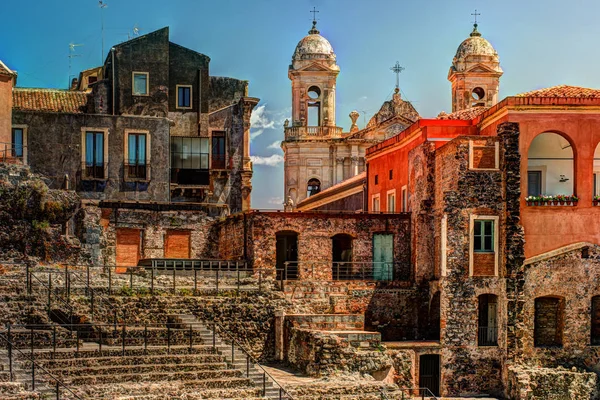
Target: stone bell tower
x: 313, y: 73
x: 475, y: 73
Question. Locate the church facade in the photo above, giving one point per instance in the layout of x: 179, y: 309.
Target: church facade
x: 318, y: 153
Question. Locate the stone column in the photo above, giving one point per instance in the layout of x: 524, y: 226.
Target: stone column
x: 355, y: 162
x: 339, y: 173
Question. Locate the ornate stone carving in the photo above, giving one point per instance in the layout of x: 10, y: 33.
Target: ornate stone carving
x: 354, y: 117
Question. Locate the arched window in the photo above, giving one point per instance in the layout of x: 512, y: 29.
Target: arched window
x: 550, y: 166
x: 314, y: 187
x: 341, y: 246
x: 549, y: 321
x: 595, y: 334
x: 488, y: 320
x: 314, y: 106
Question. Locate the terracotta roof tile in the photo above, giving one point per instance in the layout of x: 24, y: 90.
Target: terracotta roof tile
x: 467, y: 114
x: 49, y: 100
x: 4, y: 70
x: 563, y: 91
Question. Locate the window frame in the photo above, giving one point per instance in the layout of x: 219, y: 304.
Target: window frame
x: 404, y: 198
x: 483, y: 235
x: 133, y: 74
x: 378, y: 198
x: 24, y: 129
x: 495, y: 240
x: 496, y: 160
x: 178, y: 105
x: 129, y: 132
x: 220, y: 135
x: 106, y: 132
x: 387, y: 200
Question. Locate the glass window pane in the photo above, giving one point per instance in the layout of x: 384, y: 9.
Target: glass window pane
x: 488, y: 227
x: 488, y: 244
x: 89, y: 149
x: 176, y: 160
x: 132, y: 157
x: 188, y: 95
x: 196, y: 145
x: 139, y: 84
x: 204, y: 145
x: 477, y: 243
x: 195, y: 161
x: 99, y: 149
x: 186, y: 160
x: 204, y: 161
x: 477, y: 228
x: 180, y: 97
x: 141, y: 149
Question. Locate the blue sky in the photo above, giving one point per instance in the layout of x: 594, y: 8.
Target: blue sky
x: 540, y: 42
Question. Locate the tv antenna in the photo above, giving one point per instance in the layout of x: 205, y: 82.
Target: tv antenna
x: 136, y: 30
x: 72, y: 55
x: 102, y: 6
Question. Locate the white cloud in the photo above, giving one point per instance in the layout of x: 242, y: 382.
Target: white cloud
x: 259, y: 121
x: 275, y: 145
x: 276, y: 201
x: 271, y: 161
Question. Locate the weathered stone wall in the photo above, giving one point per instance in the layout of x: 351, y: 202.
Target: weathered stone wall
x: 549, y: 383
x: 314, y: 238
x: 54, y: 149
x: 224, y: 92
x: 319, y: 353
x: 468, y: 368
x: 97, y: 229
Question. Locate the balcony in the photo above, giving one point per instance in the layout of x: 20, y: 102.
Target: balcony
x: 136, y: 172
x: 312, y: 132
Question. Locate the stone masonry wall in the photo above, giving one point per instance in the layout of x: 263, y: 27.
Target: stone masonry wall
x: 461, y: 192
x: 549, y: 384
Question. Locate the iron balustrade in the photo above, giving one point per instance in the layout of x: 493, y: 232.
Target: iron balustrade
x: 422, y: 392
x: 488, y: 336
x: 6, y: 338
x: 136, y: 171
x: 344, y: 271
x: 283, y: 394
x: 12, y: 152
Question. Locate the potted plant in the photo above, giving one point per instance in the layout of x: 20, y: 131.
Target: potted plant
x: 574, y: 199
x: 555, y: 201
x: 596, y: 200
x: 561, y: 199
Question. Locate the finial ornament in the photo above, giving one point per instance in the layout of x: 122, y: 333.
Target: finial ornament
x: 475, y: 31
x: 314, y: 30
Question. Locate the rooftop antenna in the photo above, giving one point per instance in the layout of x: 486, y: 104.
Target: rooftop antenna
x: 364, y: 113
x: 397, y: 70
x: 102, y: 6
x: 72, y: 54
x: 136, y: 30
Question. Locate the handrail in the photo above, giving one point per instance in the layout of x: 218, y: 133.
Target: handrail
x: 423, y: 392
x: 63, y: 301
x: 89, y: 289
x: 254, y: 361
x: 58, y: 381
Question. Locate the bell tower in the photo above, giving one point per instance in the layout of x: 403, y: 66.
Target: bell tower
x: 313, y: 73
x: 475, y: 73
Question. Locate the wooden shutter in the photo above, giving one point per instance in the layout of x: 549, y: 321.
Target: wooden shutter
x: 128, y: 247
x: 177, y: 244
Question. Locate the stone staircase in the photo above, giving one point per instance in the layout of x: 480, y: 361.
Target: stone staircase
x: 237, y: 358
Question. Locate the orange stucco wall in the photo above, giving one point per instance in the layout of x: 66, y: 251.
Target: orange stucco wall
x: 6, y: 104
x: 548, y: 228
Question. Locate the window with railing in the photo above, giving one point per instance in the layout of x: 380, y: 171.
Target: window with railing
x: 94, y: 155
x: 136, y: 167
x: 488, y: 324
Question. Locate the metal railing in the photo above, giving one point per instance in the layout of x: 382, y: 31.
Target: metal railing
x: 487, y: 336
x: 283, y: 394
x: 12, y: 152
x: 422, y: 392
x: 344, y: 271
x: 34, y: 365
x: 136, y: 171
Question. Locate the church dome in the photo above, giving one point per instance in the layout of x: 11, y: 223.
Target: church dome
x: 314, y: 46
x: 475, y: 45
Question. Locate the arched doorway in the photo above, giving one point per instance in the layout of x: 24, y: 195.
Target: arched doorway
x: 341, y: 245
x: 287, y: 255
x: 550, y: 166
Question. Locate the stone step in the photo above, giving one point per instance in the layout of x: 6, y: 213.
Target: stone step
x: 135, y: 369
x: 178, y: 359
x: 208, y: 375
x: 129, y: 351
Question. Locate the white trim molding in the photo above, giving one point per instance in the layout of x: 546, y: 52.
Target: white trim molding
x: 133, y: 74
x: 191, y: 97
x: 472, y: 220
x: 387, y: 198
x: 25, y: 128
x: 106, y: 132
x: 496, y: 155
x: 378, y: 197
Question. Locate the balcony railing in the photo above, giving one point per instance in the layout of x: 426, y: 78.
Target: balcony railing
x: 312, y: 132
x: 344, y: 271
x: 218, y: 161
x: 136, y: 172
x: 488, y: 336
x: 92, y: 172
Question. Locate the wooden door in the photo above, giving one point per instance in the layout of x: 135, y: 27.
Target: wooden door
x: 177, y: 244
x: 429, y: 373
x: 128, y: 247
x: 383, y: 256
